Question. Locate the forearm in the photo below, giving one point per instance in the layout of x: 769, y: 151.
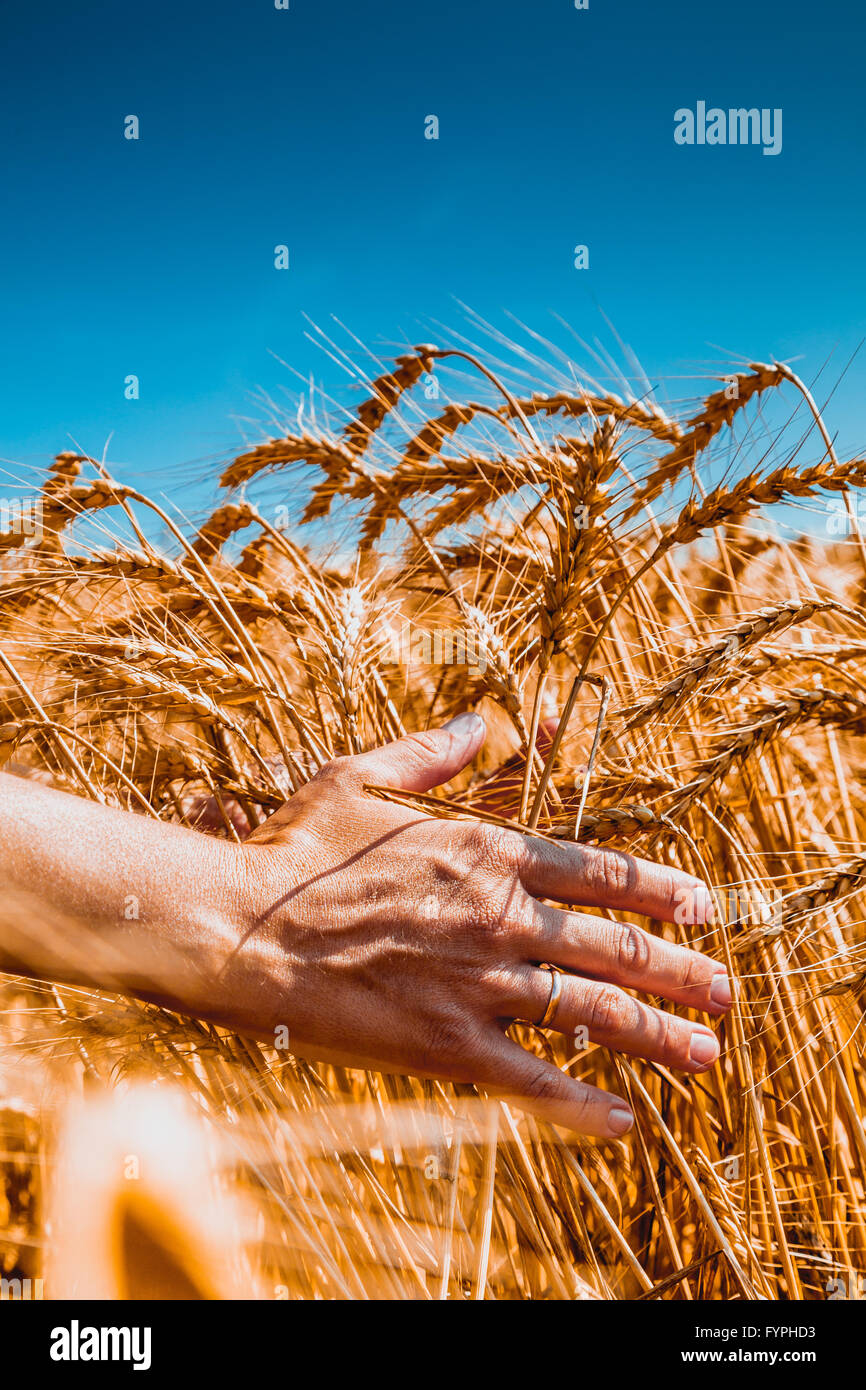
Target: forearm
x: 97, y: 896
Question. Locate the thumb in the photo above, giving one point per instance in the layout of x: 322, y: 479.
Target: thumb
x: 422, y: 761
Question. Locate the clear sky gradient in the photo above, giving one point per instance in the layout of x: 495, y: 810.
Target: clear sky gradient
x: 306, y: 127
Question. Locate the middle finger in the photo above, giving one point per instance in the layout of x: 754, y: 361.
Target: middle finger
x: 616, y: 1020
x: 627, y: 955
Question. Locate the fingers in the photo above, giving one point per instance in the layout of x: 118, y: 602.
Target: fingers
x: 609, y: 878
x: 538, y: 1086
x: 618, y: 1021
x: 422, y: 761
x: 627, y: 955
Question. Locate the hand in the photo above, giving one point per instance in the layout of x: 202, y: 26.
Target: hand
x: 383, y: 938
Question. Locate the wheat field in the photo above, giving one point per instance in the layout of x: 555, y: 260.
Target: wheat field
x: 601, y: 576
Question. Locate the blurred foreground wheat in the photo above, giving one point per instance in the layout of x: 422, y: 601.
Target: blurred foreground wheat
x: 694, y: 686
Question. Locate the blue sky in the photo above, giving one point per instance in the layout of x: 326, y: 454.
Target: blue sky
x: 306, y: 127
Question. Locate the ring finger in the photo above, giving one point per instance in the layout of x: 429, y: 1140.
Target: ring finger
x: 615, y: 1019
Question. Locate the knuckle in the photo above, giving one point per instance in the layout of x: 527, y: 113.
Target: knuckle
x: 694, y: 971
x: 494, y: 846
x: 492, y: 918
x: 496, y: 915
x: 582, y: 1106
x: 424, y: 743
x: 608, y: 1012
x: 447, y: 1038
x: 633, y: 950
x: 675, y: 1033
x: 672, y: 1040
x: 614, y: 872
x: 335, y: 772
x: 543, y: 1085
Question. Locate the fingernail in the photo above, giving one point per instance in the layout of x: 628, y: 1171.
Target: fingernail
x: 619, y: 1120
x: 703, y: 1049
x: 720, y: 991
x: 466, y: 726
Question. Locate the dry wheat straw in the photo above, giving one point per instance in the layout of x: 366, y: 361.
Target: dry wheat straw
x: 169, y: 681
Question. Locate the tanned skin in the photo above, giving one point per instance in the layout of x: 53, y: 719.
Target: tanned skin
x: 377, y: 936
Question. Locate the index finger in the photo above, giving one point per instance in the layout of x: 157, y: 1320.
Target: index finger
x: 572, y: 873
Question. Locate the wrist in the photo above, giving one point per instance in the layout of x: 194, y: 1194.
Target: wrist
x: 244, y: 969
x: 184, y: 960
